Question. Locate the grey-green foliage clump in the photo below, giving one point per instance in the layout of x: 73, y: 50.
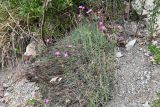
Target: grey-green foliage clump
x: 87, y: 70
x: 154, y: 13
x: 91, y: 38
x: 98, y: 51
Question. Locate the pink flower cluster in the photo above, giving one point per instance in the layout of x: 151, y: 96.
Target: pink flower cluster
x: 46, y: 101
x: 81, y: 7
x: 65, y: 54
x: 57, y: 53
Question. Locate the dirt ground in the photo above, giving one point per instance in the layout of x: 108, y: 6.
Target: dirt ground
x: 136, y: 79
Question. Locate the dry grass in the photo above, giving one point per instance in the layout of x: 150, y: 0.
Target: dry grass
x: 15, y: 35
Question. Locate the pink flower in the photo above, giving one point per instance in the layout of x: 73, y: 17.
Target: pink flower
x: 26, y: 62
x: 89, y: 11
x: 57, y: 53
x: 103, y: 28
x: 81, y: 7
x: 100, y: 23
x: 46, y: 101
x: 66, y: 54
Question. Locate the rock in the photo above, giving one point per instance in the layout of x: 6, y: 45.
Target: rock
x: 31, y: 49
x: 146, y: 54
x: 140, y: 49
x: 146, y: 104
x: 68, y: 100
x: 130, y: 44
x: 137, y: 4
x: 149, y: 5
x: 130, y: 28
x: 119, y: 54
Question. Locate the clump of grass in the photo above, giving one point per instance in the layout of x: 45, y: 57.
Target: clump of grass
x: 156, y: 52
x: 86, y: 71
x: 98, y: 50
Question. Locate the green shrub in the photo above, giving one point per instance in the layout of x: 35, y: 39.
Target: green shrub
x: 32, y: 9
x: 155, y: 51
x: 157, y: 102
x: 92, y: 39
x: 89, y: 64
x: 98, y: 51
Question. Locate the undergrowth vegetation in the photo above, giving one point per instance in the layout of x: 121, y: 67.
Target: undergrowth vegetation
x: 84, y: 61
x: 23, y: 21
x: 153, y: 18
x: 156, y: 52
x: 153, y: 30
x: 98, y: 51
x: 77, y: 63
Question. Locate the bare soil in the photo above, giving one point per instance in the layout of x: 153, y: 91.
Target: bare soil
x: 136, y: 79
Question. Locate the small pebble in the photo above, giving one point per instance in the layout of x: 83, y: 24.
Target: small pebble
x: 140, y: 49
x: 154, y: 42
x: 146, y: 104
x: 67, y: 101
x: 119, y: 55
x: 146, y: 54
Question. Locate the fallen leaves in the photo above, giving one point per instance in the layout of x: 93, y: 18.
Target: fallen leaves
x: 56, y: 79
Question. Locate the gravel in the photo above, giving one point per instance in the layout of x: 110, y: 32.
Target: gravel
x: 136, y: 80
